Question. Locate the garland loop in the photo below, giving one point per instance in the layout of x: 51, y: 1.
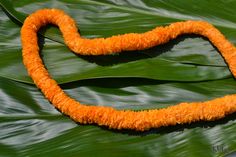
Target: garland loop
x: 108, y: 116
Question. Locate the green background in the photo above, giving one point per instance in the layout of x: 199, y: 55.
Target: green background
x: 186, y: 69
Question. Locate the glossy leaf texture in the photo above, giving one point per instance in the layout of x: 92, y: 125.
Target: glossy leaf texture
x: 186, y: 69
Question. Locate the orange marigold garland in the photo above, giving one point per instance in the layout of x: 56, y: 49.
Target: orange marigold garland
x: 108, y: 116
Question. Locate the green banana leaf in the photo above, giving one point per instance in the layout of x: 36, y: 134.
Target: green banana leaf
x: 186, y: 69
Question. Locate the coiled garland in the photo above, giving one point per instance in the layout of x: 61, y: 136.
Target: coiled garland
x: 107, y: 116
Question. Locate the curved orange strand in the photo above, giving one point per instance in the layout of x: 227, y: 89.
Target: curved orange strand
x: 108, y: 116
